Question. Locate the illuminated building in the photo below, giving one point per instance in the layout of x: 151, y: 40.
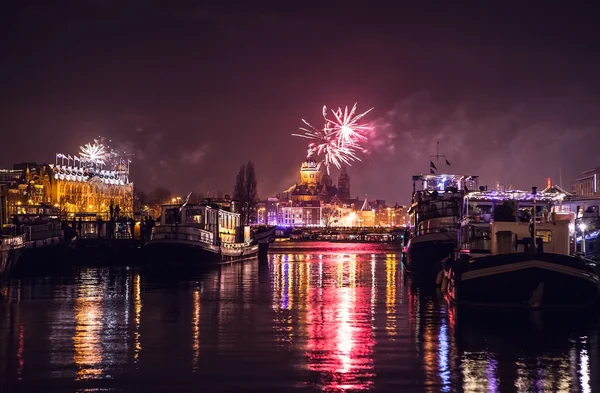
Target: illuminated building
x: 588, y: 184
x: 71, y: 190
x: 344, y: 184
x: 88, y: 183
x: 315, y: 202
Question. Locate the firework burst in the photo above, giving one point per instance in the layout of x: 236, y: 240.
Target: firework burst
x: 346, y: 125
x: 338, y: 140
x: 95, y: 153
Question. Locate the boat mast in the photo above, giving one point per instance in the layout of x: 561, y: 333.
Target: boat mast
x: 437, y: 159
x: 533, y: 233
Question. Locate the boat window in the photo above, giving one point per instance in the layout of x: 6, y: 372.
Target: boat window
x: 476, y: 208
x: 172, y: 216
x: 546, y: 235
x: 194, y: 216
x: 480, y: 238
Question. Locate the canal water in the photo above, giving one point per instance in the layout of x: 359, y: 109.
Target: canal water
x: 323, y: 318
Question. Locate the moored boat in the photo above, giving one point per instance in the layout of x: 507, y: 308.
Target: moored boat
x: 434, y: 214
x: 11, y: 247
x: 497, y: 263
x: 201, y: 235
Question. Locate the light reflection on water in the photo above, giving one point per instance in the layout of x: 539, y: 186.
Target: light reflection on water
x: 344, y: 320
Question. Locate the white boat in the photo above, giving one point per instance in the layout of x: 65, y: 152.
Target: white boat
x: 200, y: 235
x: 434, y: 215
x: 498, y: 264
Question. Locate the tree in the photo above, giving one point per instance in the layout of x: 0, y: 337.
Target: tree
x: 251, y: 192
x: 245, y: 191
x: 239, y: 191
x: 329, y: 215
x: 160, y: 196
x: 140, y: 200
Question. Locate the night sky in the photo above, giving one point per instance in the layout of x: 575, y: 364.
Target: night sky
x: 511, y: 93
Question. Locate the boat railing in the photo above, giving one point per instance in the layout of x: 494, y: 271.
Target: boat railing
x: 235, y: 246
x: 10, y: 242
x: 436, y: 229
x: 42, y: 231
x: 175, y: 232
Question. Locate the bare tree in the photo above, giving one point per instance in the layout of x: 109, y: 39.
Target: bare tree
x: 329, y: 215
x: 140, y: 200
x: 159, y: 196
x: 239, y: 192
x: 245, y: 191
x: 251, y: 192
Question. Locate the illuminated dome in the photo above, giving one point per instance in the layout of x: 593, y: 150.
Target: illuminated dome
x: 311, y: 164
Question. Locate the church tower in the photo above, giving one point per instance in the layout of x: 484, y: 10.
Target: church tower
x: 326, y: 180
x: 344, y: 184
x: 310, y: 173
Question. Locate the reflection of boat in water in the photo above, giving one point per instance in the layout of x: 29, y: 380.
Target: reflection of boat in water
x: 434, y: 214
x: 198, y: 235
x: 528, y: 349
x: 497, y: 264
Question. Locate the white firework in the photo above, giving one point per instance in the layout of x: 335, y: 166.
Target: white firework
x: 95, y: 153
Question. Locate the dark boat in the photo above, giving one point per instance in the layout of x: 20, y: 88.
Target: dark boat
x: 11, y: 247
x: 497, y: 264
x: 434, y: 214
x: 202, y: 235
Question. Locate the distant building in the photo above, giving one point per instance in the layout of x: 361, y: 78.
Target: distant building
x: 316, y: 201
x: 588, y: 184
x: 344, y: 184
x: 69, y: 189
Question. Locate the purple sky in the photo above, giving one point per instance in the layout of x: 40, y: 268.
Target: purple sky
x: 511, y: 94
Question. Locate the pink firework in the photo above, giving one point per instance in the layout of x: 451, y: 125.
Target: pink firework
x: 338, y: 140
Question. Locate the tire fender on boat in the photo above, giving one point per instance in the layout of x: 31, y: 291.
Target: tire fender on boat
x: 444, y: 286
x: 439, y: 277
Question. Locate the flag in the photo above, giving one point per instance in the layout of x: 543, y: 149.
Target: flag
x: 447, y: 162
x: 75, y: 158
x: 432, y: 165
x: 187, y: 199
x: 431, y: 171
x: 69, y: 157
x: 60, y: 155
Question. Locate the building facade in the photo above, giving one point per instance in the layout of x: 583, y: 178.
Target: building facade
x: 588, y: 184
x: 69, y: 190
x: 317, y: 202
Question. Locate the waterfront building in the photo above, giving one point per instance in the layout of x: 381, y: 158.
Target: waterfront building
x: 316, y: 201
x: 588, y: 185
x: 88, y: 188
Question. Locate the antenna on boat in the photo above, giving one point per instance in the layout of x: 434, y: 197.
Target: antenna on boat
x: 560, y: 176
x: 434, y: 167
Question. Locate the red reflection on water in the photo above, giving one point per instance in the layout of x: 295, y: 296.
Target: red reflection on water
x: 21, y: 361
x: 340, y: 336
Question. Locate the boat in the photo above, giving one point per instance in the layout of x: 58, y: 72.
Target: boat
x: 496, y: 262
x: 585, y: 219
x: 45, y: 240
x: 204, y: 234
x: 263, y: 236
x: 434, y: 214
x: 11, y: 247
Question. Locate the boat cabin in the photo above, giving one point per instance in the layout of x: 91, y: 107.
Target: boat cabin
x: 214, y: 220
x: 496, y: 222
x: 436, y: 202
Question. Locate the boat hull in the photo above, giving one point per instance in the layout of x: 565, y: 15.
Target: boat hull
x: 9, y: 259
x: 185, y: 253
x: 539, y: 280
x: 424, y: 254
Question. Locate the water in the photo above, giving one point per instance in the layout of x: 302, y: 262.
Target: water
x: 323, y: 319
